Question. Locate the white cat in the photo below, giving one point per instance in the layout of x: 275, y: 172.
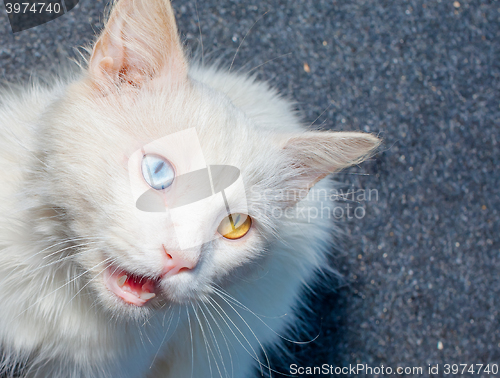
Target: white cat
x: 93, y: 285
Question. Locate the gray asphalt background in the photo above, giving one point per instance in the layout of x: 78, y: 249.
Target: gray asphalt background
x: 421, y: 268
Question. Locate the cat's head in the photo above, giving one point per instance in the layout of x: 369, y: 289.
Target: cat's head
x: 139, y: 123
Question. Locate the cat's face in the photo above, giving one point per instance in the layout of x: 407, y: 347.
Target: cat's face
x: 131, y: 125
x: 125, y: 142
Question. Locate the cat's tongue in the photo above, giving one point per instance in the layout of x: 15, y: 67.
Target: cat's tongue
x: 132, y: 289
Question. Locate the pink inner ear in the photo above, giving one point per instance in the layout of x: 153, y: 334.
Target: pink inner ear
x: 314, y: 155
x: 140, y: 42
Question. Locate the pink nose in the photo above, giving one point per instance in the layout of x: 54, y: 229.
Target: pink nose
x: 174, y: 263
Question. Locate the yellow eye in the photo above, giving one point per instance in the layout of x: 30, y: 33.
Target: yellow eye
x: 235, y: 226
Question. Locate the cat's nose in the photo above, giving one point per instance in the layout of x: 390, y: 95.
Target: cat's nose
x: 176, y: 263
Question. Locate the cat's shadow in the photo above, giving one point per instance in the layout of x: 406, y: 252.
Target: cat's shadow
x: 325, y: 311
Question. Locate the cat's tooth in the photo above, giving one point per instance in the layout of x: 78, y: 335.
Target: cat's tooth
x: 147, y: 296
x: 121, y: 280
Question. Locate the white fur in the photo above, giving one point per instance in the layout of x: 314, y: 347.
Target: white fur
x: 65, y: 204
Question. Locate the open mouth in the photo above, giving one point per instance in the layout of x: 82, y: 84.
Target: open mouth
x: 133, y: 289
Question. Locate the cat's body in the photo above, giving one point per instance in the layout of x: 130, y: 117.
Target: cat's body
x: 67, y: 217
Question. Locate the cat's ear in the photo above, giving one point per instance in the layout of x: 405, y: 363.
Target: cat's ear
x: 314, y: 155
x: 140, y: 41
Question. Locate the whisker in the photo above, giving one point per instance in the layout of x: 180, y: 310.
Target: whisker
x: 84, y: 286
x: 192, y: 343
x: 71, y: 246
x: 216, y: 343
x: 323, y: 112
x: 207, y: 345
x: 223, y: 336
x: 69, y: 240
x: 171, y: 318
x: 26, y: 148
x: 58, y: 261
x: 267, y: 61
x: 146, y: 334
x: 201, y: 35
x: 255, y: 355
x: 243, y: 40
x: 251, y: 330
x: 66, y: 284
x: 258, y: 317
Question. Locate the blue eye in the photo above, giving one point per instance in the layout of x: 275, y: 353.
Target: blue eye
x: 157, y: 171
